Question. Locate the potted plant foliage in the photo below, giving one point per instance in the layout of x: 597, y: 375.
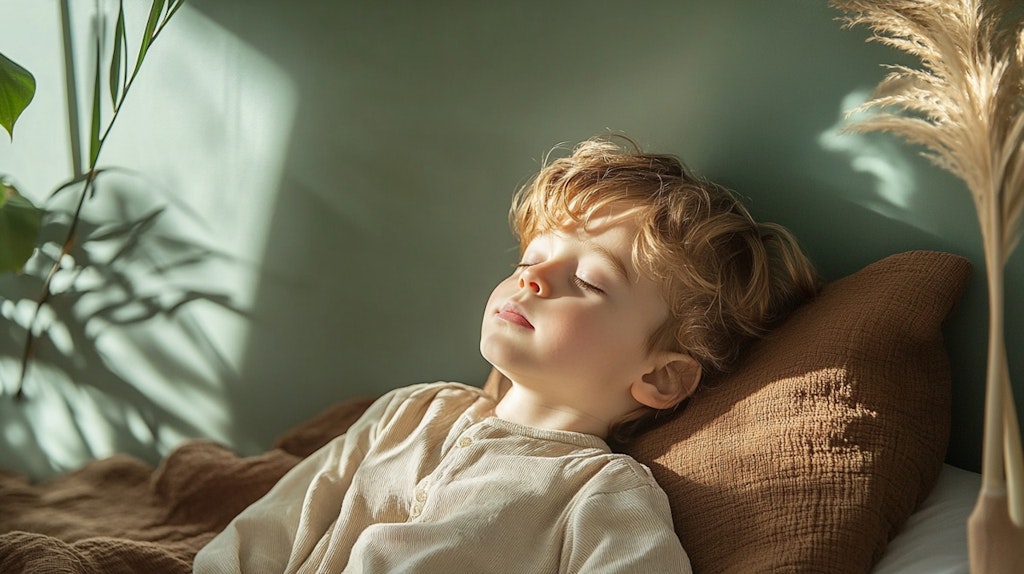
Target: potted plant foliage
x: 20, y: 220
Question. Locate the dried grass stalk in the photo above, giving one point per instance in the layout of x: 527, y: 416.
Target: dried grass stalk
x: 965, y: 106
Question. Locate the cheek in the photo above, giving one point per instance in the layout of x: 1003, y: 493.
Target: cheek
x: 584, y: 332
x: 602, y: 338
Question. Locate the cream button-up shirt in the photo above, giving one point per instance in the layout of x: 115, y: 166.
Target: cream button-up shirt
x: 428, y: 480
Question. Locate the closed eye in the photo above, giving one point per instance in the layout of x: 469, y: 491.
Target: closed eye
x: 576, y: 279
x: 586, y: 286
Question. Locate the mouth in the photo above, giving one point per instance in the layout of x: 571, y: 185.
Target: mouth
x: 514, y: 315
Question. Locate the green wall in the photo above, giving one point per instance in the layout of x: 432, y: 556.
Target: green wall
x: 355, y: 160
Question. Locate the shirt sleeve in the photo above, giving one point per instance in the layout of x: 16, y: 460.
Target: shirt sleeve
x: 628, y: 531
x: 287, y: 522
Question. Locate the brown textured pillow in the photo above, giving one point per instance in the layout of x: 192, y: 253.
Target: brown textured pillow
x: 818, y: 447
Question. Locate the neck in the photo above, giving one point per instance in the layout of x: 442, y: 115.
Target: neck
x: 524, y: 407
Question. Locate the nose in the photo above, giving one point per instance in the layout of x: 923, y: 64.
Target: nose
x: 531, y: 279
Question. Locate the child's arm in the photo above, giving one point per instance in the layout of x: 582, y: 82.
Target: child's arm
x: 627, y: 531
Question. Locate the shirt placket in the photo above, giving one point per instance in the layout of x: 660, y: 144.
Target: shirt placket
x: 453, y: 460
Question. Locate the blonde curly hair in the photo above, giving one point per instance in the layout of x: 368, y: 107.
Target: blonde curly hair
x: 727, y: 279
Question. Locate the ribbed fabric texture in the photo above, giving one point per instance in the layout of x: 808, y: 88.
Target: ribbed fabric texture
x: 428, y: 481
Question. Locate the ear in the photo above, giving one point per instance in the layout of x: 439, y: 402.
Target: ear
x: 674, y: 377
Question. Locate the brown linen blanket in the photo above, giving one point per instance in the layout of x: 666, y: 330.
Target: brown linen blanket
x: 120, y: 515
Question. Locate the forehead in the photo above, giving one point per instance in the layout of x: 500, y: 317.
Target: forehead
x: 609, y: 227
x: 609, y: 219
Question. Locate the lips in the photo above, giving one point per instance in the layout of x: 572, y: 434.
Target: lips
x: 514, y: 315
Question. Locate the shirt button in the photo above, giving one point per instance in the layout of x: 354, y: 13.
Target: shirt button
x: 465, y: 441
x: 416, y: 510
x: 421, y: 496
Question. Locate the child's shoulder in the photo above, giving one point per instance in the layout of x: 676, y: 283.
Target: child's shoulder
x: 430, y: 400
x: 427, y: 392
x: 621, y: 472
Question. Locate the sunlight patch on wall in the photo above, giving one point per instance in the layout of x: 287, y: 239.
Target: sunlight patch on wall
x: 150, y: 321
x: 224, y: 116
x: 878, y: 155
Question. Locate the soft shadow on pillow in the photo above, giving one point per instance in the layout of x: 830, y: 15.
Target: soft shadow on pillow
x: 812, y: 454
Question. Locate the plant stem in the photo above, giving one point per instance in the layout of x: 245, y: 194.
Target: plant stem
x: 1012, y: 450
x: 69, y: 240
x: 30, y: 338
x: 993, y: 463
x: 74, y: 137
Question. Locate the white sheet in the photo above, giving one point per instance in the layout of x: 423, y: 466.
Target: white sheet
x: 934, y: 539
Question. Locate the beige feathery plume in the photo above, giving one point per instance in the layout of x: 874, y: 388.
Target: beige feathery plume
x: 965, y: 106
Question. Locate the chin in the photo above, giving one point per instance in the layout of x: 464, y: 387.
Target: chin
x: 494, y: 353
x: 500, y: 358
x: 495, y: 346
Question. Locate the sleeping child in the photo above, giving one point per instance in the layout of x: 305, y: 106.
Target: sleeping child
x: 636, y: 281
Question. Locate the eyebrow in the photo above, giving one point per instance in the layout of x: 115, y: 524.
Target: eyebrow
x: 616, y: 263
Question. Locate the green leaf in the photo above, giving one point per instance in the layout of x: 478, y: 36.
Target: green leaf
x: 154, y: 18
x: 115, y: 60
x: 173, y: 9
x: 94, y: 131
x: 19, y: 228
x: 17, y: 87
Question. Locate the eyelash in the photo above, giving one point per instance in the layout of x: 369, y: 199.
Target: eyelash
x: 588, y: 286
x: 575, y: 279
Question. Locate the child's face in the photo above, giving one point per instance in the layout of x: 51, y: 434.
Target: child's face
x: 573, y: 320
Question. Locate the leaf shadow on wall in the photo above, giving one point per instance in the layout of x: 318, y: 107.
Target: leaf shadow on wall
x: 121, y: 323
